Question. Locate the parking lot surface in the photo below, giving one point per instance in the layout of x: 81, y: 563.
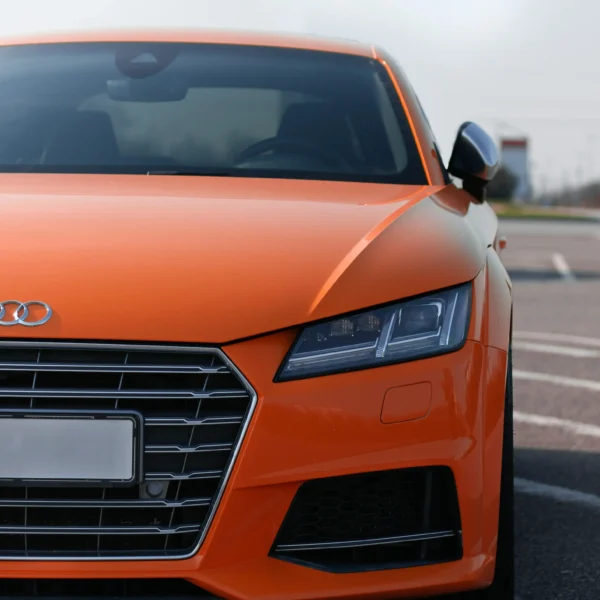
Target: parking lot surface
x: 555, y: 269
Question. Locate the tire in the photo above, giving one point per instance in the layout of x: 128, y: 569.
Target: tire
x: 503, y: 586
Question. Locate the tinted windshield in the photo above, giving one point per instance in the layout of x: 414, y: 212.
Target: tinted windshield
x: 202, y: 109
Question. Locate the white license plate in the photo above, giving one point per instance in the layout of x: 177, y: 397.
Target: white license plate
x: 68, y: 449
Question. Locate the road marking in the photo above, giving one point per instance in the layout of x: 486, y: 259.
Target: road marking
x: 558, y: 337
x: 562, y: 266
x: 584, y: 384
x: 574, y: 427
x: 554, y: 349
x: 555, y: 492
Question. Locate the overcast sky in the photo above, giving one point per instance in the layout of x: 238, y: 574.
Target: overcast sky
x: 514, y: 66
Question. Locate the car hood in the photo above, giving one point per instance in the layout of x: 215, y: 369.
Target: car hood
x: 213, y: 260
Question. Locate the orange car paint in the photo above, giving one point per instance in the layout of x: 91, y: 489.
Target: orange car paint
x: 332, y: 426
x: 141, y: 258
x: 163, y: 228
x: 195, y: 36
x: 395, y: 409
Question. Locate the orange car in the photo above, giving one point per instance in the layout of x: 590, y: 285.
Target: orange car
x: 254, y: 342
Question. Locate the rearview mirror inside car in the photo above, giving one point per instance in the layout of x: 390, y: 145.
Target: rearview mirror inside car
x: 474, y: 159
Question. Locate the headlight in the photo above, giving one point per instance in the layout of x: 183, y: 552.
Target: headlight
x: 416, y: 328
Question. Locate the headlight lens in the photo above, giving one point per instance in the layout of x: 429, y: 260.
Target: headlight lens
x: 416, y: 328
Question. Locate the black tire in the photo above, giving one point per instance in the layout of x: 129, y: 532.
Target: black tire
x: 503, y: 586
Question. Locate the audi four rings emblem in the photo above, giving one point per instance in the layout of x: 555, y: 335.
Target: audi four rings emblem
x: 13, y: 312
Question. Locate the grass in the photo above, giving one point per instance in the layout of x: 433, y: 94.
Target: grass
x: 512, y: 211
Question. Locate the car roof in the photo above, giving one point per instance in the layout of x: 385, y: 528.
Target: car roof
x: 246, y: 38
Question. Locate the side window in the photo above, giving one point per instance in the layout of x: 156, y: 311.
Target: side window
x: 445, y: 173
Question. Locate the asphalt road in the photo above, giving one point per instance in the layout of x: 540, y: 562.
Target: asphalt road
x: 555, y: 269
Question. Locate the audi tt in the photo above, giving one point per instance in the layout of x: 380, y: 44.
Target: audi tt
x: 255, y: 334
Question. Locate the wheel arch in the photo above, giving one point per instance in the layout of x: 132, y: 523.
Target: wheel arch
x: 492, y: 312
x: 492, y: 327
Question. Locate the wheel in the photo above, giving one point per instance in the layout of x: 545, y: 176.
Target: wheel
x: 503, y: 586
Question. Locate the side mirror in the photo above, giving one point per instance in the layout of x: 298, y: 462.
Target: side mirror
x: 474, y: 159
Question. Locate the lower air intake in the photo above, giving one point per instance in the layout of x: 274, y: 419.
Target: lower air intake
x: 373, y: 521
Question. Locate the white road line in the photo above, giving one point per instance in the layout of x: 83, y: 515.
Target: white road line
x: 583, y: 384
x: 557, y: 493
x: 558, y: 337
x: 582, y: 429
x: 554, y: 349
x: 562, y: 266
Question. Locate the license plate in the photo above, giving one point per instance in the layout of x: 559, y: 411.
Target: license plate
x: 69, y: 449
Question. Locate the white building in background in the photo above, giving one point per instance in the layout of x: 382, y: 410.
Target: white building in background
x: 515, y: 156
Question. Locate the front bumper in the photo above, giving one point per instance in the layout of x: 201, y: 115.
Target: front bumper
x: 333, y: 426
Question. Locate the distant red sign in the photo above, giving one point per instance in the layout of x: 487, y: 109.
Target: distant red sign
x: 514, y: 143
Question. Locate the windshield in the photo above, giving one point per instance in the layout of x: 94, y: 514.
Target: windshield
x: 202, y: 109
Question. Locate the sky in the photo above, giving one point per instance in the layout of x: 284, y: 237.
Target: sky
x: 516, y: 67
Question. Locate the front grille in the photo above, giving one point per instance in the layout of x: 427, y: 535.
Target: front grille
x: 114, y: 589
x: 195, y: 407
x: 373, y: 521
